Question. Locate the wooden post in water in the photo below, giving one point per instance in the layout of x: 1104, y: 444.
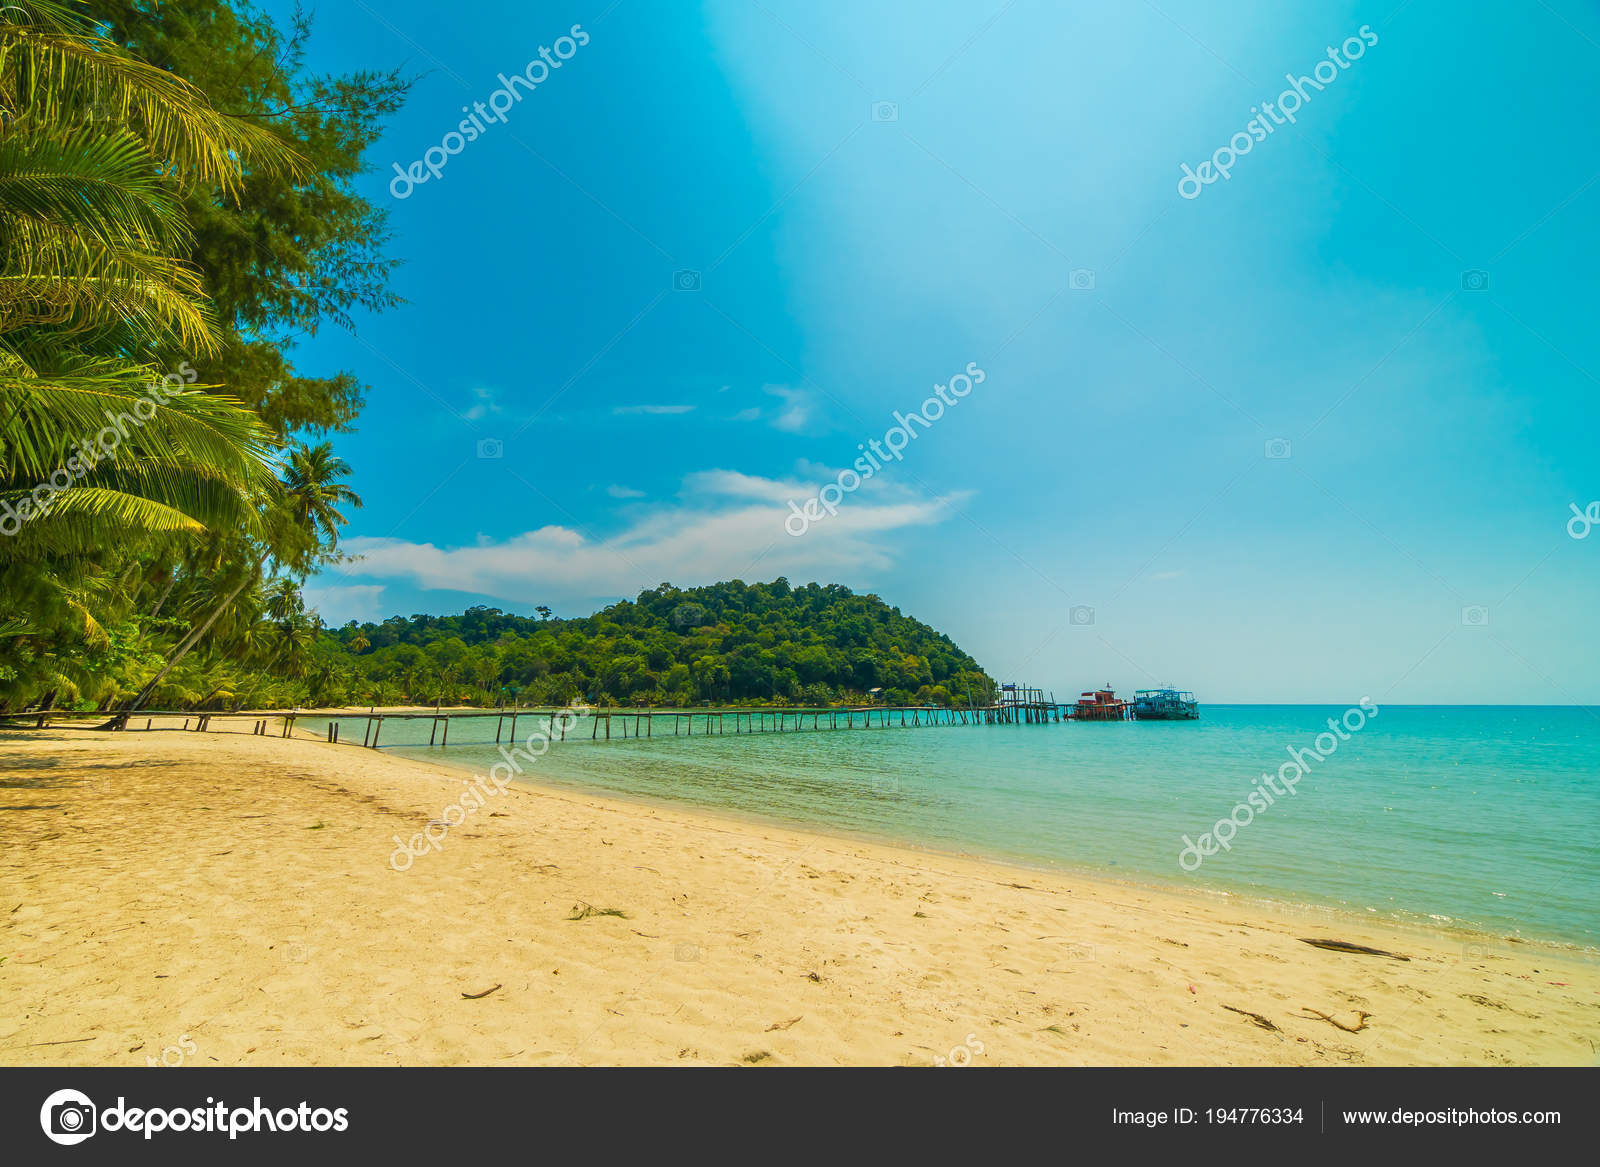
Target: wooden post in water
x: 446, y: 740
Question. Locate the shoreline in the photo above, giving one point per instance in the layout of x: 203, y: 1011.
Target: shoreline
x: 237, y: 890
x: 1416, y: 923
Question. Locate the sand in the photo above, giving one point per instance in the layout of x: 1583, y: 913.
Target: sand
x: 223, y: 899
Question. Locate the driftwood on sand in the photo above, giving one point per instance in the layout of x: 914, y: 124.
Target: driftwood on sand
x: 1346, y: 946
x: 1361, y: 1019
x: 1256, y: 1018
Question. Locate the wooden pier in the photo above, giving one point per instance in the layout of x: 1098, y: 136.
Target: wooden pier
x: 620, y: 724
x: 1016, y: 705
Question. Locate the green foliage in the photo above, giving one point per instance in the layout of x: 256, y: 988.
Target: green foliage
x: 729, y: 643
x: 176, y: 194
x: 276, y: 259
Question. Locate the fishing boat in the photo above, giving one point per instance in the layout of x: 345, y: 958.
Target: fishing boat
x: 1099, y: 705
x: 1165, y: 705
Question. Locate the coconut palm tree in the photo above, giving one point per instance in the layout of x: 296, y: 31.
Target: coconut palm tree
x: 96, y: 147
x: 307, y: 523
x: 315, y: 492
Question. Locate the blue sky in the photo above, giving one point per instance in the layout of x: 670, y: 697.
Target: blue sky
x: 871, y: 197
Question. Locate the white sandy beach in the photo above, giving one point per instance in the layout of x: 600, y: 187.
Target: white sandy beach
x: 229, y: 900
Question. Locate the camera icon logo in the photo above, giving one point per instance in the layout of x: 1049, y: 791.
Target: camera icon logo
x: 686, y: 952
x: 1080, y: 616
x: 491, y: 448
x: 885, y: 111
x: 1278, y: 448
x: 688, y: 616
x: 1081, y: 279
x: 1475, y: 280
x: 1475, y: 616
x: 68, y: 1117
x: 686, y: 281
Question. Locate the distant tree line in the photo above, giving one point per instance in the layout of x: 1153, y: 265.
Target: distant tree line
x: 727, y: 643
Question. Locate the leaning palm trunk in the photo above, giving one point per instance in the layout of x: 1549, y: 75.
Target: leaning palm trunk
x: 120, y: 721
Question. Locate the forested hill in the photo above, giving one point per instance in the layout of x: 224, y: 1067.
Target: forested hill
x: 729, y: 642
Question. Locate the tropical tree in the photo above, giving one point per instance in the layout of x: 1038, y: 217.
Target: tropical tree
x: 303, y: 529
x: 96, y: 150
x: 98, y: 444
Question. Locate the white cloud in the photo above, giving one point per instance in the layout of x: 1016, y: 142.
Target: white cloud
x: 724, y: 524
x: 622, y: 410
x: 734, y: 484
x: 798, y: 406
x: 484, y: 405
x: 341, y: 603
x: 616, y: 491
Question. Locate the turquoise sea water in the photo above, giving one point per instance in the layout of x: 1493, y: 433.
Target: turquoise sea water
x: 1474, y: 816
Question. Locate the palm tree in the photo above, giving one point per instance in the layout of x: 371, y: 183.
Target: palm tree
x: 95, y: 147
x: 315, y: 492
x: 486, y: 671
x: 312, y: 492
